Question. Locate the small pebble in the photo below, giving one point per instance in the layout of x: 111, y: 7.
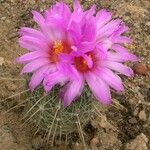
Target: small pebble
x: 133, y: 120
x: 93, y: 143
x: 141, y: 69
x: 77, y: 146
x: 1, y: 1
x: 136, y: 111
x: 1, y: 61
x: 12, y: 35
x: 139, y: 143
x: 148, y: 23
x: 3, y: 18
x: 142, y: 115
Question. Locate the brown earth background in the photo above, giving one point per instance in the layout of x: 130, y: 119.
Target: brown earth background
x: 125, y: 126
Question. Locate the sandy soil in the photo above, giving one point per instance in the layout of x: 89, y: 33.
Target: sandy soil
x: 122, y: 126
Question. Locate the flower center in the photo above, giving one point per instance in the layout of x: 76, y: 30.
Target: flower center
x: 81, y: 64
x: 58, y: 48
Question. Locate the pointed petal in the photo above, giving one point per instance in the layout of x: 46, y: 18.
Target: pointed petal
x: 25, y: 31
x: 99, y: 88
x: 76, y: 34
x: 102, y: 49
x: 53, y: 33
x: 28, y: 46
x: 58, y: 14
x: 111, y: 79
x: 72, y: 91
x: 47, y: 87
x: 90, y: 13
x: 102, y: 17
x: 34, y: 65
x: 33, y: 44
x: 31, y: 56
x: 109, y: 28
x: 121, y: 57
x: 85, y: 47
x: 38, y: 76
x: 124, y: 52
x: 77, y: 13
x: 123, y: 28
x: 52, y: 79
x: 121, y: 39
x: 68, y: 70
x: 76, y: 5
x: 38, y: 18
x: 48, y: 29
x: 119, y: 48
x: 89, y: 32
x: 118, y: 67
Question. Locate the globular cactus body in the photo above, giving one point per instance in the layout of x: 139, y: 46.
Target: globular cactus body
x: 50, y: 115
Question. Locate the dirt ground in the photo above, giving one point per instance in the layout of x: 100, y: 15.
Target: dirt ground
x: 125, y: 125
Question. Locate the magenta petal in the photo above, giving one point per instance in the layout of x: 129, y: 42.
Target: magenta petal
x: 102, y: 17
x: 34, y: 65
x: 123, y: 28
x: 37, y: 77
x: 85, y: 47
x: 31, y: 56
x: 74, y: 34
x: 28, y: 46
x: 89, y: 33
x: 109, y: 28
x: 60, y: 9
x: 121, y: 39
x: 121, y: 57
x: 119, y: 48
x: 47, y: 29
x: 32, y: 43
x: 66, y: 58
x: 99, y: 88
x: 118, y: 67
x: 111, y: 79
x: 39, y: 19
x: 91, y: 12
x: 69, y: 71
x: 47, y: 87
x: 76, y: 5
x: 77, y: 13
x: 72, y: 91
x: 52, y: 79
x: 25, y: 31
x: 58, y: 14
x: 53, y: 33
x: 124, y: 52
x: 102, y: 49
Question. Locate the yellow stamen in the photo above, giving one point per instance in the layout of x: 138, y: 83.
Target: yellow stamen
x: 58, y: 47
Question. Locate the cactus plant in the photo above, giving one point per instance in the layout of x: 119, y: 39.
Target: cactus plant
x: 50, y: 115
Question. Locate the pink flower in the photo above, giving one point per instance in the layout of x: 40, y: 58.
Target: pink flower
x: 71, y: 48
x: 46, y: 44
